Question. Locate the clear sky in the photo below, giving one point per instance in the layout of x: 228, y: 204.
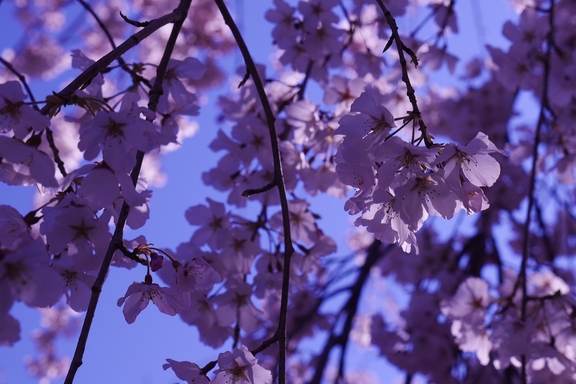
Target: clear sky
x: 122, y: 353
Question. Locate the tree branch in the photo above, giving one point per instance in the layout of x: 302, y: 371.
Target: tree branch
x: 522, y: 278
x: 103, y: 27
x: 107, y: 59
x: 351, y: 307
x: 180, y: 15
x: 278, y: 180
x: 401, y: 48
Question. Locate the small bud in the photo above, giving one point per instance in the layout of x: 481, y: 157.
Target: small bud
x: 156, y: 261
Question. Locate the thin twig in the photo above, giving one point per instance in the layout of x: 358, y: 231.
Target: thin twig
x: 49, y: 135
x: 22, y: 79
x: 177, y: 16
x: 104, y: 29
x: 522, y: 278
x: 107, y: 59
x: 444, y: 24
x: 55, y: 152
x: 401, y: 48
x: 278, y: 180
x: 138, y: 24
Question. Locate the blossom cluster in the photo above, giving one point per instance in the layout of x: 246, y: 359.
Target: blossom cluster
x: 488, y: 291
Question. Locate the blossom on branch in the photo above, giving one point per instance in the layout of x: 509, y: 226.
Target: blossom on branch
x: 139, y: 295
x: 17, y: 116
x: 240, y: 367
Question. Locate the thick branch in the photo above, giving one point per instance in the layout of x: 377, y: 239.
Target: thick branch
x: 350, y: 308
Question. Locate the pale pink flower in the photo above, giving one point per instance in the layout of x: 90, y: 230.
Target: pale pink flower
x: 317, y: 11
x: 13, y: 229
x: 529, y: 33
x: 343, y: 91
x: 196, y: 274
x: 29, y: 277
x: 472, y: 161
x: 323, y: 42
x: 235, y: 305
x: 303, y: 116
x: 283, y: 17
x: 9, y: 329
x: 17, y: 116
x: 100, y: 186
x: 434, y: 58
x: 373, y: 118
x: 214, y: 223
x: 78, y: 288
x: 547, y: 283
x: 187, y: 371
x: 139, y: 295
x: 240, y: 367
x: 470, y: 301
x: 73, y: 227
x: 473, y: 338
x: 302, y: 222
x: 423, y: 195
x: 24, y: 164
x: 119, y: 135
x: 202, y: 314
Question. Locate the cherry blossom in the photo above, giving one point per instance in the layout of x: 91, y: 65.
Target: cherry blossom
x: 240, y: 366
x: 25, y: 165
x: 186, y: 371
x: 17, y: 116
x: 27, y: 275
x: 139, y: 295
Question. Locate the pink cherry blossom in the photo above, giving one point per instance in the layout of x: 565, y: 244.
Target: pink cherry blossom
x: 372, y: 118
x: 470, y: 301
x: 25, y: 165
x: 473, y: 161
x: 196, y: 274
x: 235, y: 305
x: 187, y: 371
x: 214, y: 222
x: 13, y: 230
x: 29, y: 278
x: 139, y: 295
x: 17, y: 116
x: 240, y: 367
x: 302, y: 223
x: 283, y: 19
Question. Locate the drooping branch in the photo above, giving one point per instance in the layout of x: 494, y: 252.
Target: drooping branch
x: 49, y: 135
x: 104, y: 29
x: 374, y: 253
x: 117, y: 237
x: 278, y: 180
x: 522, y: 277
x: 107, y: 59
x: 410, y: 92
